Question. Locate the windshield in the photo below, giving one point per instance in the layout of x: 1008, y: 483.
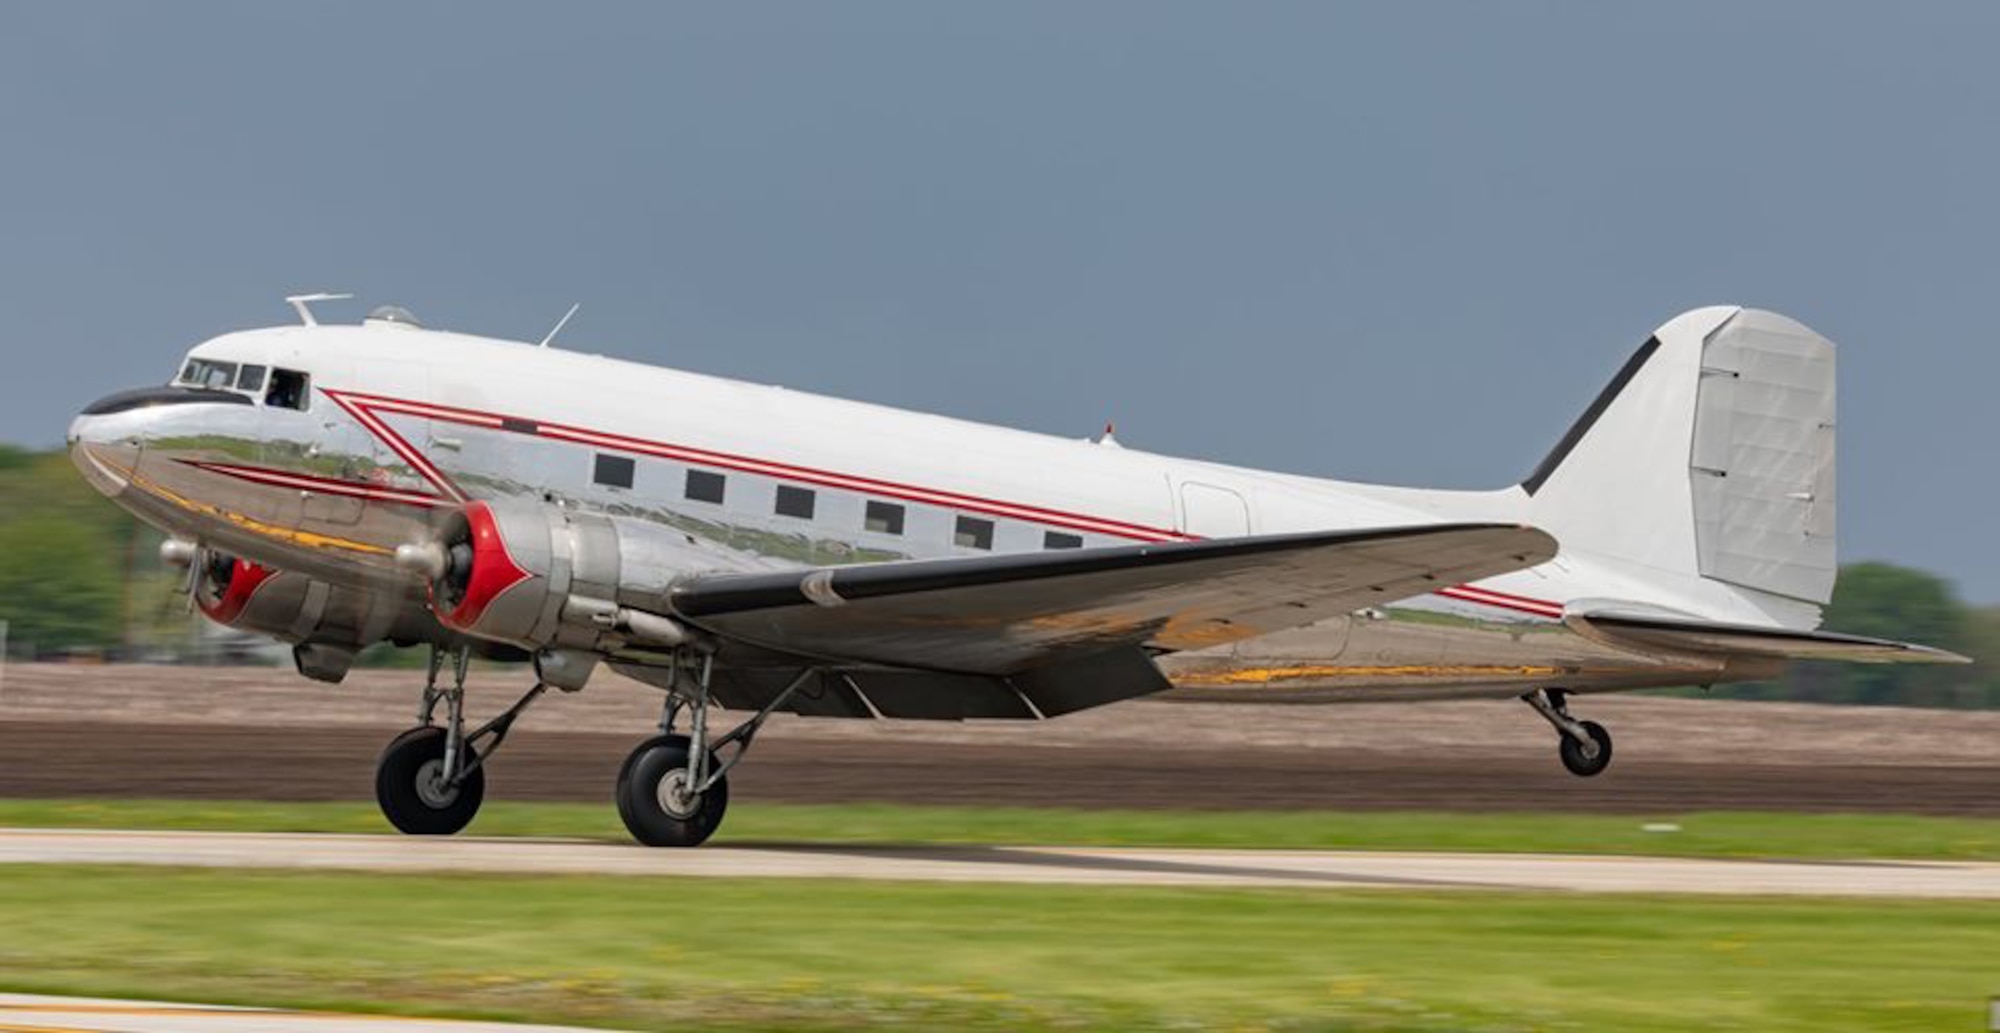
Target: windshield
x: 208, y: 373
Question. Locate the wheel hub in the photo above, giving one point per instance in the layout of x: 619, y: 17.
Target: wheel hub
x: 432, y: 788
x: 674, y: 796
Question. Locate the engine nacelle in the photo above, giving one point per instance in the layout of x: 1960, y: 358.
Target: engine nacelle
x: 539, y: 576
x: 326, y: 624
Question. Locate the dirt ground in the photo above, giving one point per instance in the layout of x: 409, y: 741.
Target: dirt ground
x: 258, y: 733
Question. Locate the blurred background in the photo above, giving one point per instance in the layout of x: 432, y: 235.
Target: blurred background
x: 1390, y: 242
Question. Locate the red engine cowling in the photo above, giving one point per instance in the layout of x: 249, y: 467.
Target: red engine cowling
x: 326, y: 624
x: 227, y: 586
x: 540, y: 576
x: 480, y: 567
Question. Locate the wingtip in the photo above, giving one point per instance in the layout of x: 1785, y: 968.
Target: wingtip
x: 1941, y: 656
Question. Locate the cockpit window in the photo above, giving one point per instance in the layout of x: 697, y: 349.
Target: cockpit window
x: 209, y: 374
x: 250, y: 378
x: 290, y: 389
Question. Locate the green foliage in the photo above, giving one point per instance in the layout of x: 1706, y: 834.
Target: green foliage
x: 1982, y: 644
x: 59, y: 588
x: 13, y: 458
x: 1882, y: 600
x: 64, y: 554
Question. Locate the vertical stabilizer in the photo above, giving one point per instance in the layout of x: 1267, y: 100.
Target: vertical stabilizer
x: 1711, y: 453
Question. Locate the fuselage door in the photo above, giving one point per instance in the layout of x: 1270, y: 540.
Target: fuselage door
x: 1212, y: 512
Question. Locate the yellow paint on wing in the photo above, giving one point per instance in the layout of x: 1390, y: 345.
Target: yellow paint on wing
x: 1200, y: 633
x: 1302, y: 672
x: 1201, y: 679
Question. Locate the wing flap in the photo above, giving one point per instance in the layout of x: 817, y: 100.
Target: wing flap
x: 1007, y: 614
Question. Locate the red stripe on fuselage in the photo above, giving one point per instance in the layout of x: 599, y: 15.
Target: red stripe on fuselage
x: 360, y: 404
x: 365, y: 406
x: 403, y: 449
x: 1487, y: 597
x: 1508, y: 597
x: 324, y: 485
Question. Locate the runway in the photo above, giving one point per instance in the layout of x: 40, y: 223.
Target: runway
x: 1028, y: 865
x: 31, y: 1013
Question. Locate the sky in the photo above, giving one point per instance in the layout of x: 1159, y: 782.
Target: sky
x: 1398, y: 242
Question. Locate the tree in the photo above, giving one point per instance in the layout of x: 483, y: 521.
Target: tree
x: 1882, y: 600
x: 61, y: 587
x: 1982, y: 643
x: 64, y: 553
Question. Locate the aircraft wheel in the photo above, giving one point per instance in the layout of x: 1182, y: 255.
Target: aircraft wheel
x: 653, y: 799
x: 1585, y: 761
x: 409, y: 789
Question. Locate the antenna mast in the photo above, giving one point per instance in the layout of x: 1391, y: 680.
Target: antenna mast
x: 300, y: 303
x: 560, y: 323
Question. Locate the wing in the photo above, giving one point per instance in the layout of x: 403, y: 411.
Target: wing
x: 1645, y: 632
x: 1009, y: 614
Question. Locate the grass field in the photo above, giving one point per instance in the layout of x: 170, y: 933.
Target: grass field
x: 721, y: 954
x: 1716, y: 834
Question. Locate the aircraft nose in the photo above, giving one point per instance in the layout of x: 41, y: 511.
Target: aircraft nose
x: 107, y: 438
x: 108, y: 435
x: 85, y: 428
x: 105, y: 459
x: 102, y: 422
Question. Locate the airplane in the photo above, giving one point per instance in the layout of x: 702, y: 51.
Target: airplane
x: 749, y: 548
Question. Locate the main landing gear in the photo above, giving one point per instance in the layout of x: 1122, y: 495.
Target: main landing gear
x: 1584, y: 745
x: 431, y: 780
x: 673, y: 789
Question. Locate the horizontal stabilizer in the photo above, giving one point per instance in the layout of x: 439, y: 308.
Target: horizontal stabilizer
x: 1676, y: 635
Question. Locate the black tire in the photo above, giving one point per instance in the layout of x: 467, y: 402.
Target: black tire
x: 1573, y: 755
x: 657, y: 760
x: 408, y: 803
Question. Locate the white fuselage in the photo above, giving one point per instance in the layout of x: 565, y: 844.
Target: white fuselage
x: 399, y: 424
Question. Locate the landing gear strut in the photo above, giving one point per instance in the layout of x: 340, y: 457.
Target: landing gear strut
x: 673, y: 790
x: 430, y: 781
x: 1585, y: 746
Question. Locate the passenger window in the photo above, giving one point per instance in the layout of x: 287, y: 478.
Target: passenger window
x: 613, y: 471
x: 1059, y: 540
x: 290, y: 389
x: 250, y: 378
x: 704, y: 486
x: 795, y: 502
x: 973, y: 533
x: 883, y: 518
